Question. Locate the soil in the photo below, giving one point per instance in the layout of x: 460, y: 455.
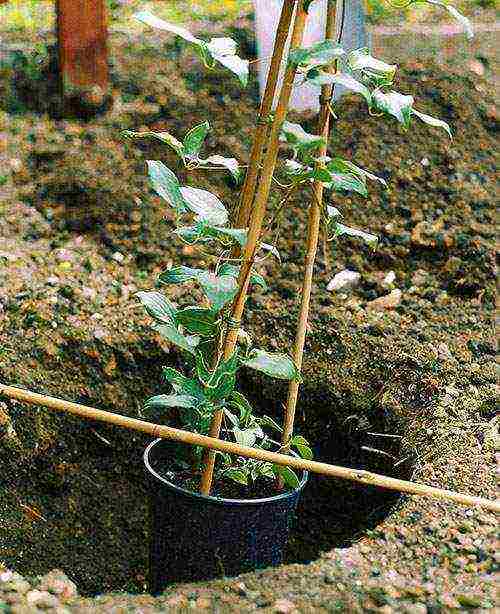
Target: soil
x: 406, y: 391
x: 222, y: 488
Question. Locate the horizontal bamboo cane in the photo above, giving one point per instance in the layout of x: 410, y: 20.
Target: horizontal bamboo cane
x: 167, y: 432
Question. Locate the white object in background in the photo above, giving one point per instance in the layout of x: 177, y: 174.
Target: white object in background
x: 267, y: 13
x: 343, y: 280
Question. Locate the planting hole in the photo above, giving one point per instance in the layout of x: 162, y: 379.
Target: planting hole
x: 80, y: 505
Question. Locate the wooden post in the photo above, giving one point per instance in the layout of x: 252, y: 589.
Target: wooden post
x: 83, y: 59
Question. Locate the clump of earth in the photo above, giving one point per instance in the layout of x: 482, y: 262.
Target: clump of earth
x: 399, y: 372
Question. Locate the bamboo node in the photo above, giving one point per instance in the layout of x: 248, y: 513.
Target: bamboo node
x: 233, y: 324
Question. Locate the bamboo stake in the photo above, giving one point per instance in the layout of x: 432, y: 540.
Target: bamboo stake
x: 313, y: 229
x: 166, y: 432
x: 248, y: 191
x: 255, y: 228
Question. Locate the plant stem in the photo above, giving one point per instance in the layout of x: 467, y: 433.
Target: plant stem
x: 313, y: 229
x: 248, y: 191
x: 255, y: 227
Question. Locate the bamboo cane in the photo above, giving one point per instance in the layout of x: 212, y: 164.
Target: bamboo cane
x: 334, y: 9
x: 166, y: 432
x: 248, y: 190
x: 255, y: 228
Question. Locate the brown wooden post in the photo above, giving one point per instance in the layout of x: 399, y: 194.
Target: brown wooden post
x: 83, y: 58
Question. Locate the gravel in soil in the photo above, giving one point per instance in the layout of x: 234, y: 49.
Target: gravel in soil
x: 405, y: 389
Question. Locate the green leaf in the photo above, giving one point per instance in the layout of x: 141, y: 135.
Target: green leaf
x: 239, y: 401
x: 268, y: 421
x: 236, y: 65
x: 227, y: 236
x: 158, y: 306
x: 237, y: 475
x: 302, y: 446
x: 463, y: 21
x: 219, y: 289
x: 234, y: 271
x: 346, y: 81
x: 296, y: 136
x: 279, y: 366
x: 179, y: 275
x: 231, y: 417
x: 289, y: 476
x: 433, y: 121
x: 342, y: 178
x: 271, y: 249
x: 340, y: 164
x: 247, y: 437
x: 170, y: 333
x: 172, y: 400
x: 299, y: 440
x: 223, y: 50
x: 155, y: 22
x: 194, y: 139
x: 197, y: 321
x: 219, y: 383
x: 205, y: 205
x: 184, y: 385
x: 342, y: 229
x: 231, y: 164
x: 164, y: 137
x: 333, y: 212
x: 381, y: 72
x: 321, y: 53
x: 395, y: 104
x: 305, y: 452
x: 166, y: 185
x: 292, y: 167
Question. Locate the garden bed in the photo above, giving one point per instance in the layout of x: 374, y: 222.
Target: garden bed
x: 78, y: 238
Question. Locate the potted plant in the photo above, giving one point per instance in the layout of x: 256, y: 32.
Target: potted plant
x: 241, y: 520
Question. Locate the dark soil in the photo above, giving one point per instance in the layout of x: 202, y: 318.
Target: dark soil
x: 222, y: 488
x: 407, y: 391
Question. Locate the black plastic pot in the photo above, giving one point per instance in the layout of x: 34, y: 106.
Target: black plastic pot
x: 198, y: 537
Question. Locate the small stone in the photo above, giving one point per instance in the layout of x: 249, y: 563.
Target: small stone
x: 284, y: 606
x: 203, y: 603
x: 53, y: 280
x: 16, y: 165
x: 64, y: 255
x: 419, y: 277
x: 476, y: 67
x: 57, y: 583
x: 240, y: 589
x: 444, y: 352
x: 99, y: 333
x: 389, y: 279
x: 18, y: 585
x: 41, y: 599
x: 389, y: 301
x: 177, y: 600
x: 88, y: 293
x: 118, y: 257
x: 425, y: 162
x: 343, y: 280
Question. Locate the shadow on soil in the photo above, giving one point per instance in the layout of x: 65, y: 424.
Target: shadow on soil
x: 82, y: 504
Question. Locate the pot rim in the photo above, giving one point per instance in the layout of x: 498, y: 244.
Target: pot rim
x: 211, y: 498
